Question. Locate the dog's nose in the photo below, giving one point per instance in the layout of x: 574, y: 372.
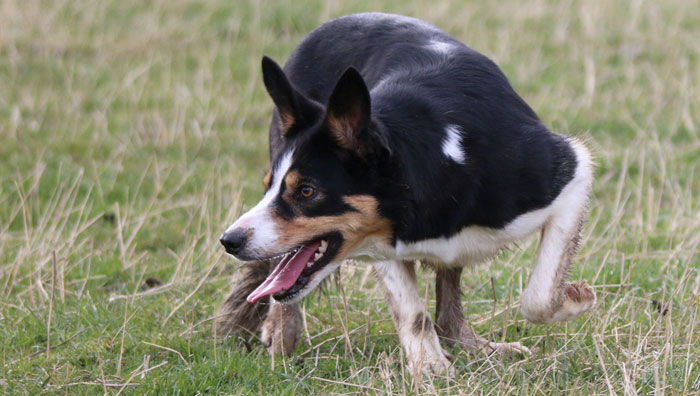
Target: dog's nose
x: 234, y: 241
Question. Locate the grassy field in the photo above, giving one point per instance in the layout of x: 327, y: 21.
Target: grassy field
x: 132, y: 132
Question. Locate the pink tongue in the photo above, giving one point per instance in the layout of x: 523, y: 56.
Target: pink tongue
x: 286, y: 273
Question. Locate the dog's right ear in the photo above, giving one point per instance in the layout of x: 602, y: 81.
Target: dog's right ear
x: 293, y: 108
x: 348, y: 111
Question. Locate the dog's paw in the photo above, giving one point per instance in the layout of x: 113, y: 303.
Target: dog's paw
x: 281, y: 329
x: 424, y: 354
x: 574, y: 299
x: 426, y: 357
x: 431, y: 366
x: 507, y: 349
x: 580, y: 293
x: 578, y: 298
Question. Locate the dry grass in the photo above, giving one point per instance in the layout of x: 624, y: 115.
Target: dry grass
x: 132, y: 132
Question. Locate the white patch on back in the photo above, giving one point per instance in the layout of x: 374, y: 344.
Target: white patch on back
x: 263, y: 234
x: 452, y: 145
x: 441, y: 47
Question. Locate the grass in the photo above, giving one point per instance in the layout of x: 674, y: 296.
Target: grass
x: 132, y: 132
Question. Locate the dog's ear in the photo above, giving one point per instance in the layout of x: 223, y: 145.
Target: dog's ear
x: 294, y: 109
x: 348, y: 112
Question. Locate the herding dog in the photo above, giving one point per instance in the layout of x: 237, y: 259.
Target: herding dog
x: 392, y: 142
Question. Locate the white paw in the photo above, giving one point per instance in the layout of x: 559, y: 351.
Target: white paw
x: 430, y: 365
x: 578, y: 298
x: 425, y: 355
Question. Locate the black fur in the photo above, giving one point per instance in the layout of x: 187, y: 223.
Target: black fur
x: 513, y: 163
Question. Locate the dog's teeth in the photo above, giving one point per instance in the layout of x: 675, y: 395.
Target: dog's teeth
x: 309, y: 264
x: 318, y: 256
x: 323, y: 247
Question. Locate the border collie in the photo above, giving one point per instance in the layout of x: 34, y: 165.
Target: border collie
x: 390, y: 143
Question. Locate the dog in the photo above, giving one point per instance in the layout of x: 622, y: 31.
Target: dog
x: 391, y: 142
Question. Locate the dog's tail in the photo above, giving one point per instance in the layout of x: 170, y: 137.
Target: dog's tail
x: 238, y: 317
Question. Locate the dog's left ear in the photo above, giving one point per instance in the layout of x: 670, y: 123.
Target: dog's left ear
x: 295, y: 111
x: 348, y: 111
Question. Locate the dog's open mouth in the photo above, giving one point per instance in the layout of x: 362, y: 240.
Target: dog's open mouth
x: 295, y: 269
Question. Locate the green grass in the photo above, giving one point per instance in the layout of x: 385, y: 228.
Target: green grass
x: 132, y: 132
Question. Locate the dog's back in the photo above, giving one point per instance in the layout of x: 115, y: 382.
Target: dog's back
x: 425, y: 84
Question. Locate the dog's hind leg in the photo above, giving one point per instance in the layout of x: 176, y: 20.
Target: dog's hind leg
x: 548, y: 297
x: 413, y: 325
x: 236, y: 317
x: 449, y: 319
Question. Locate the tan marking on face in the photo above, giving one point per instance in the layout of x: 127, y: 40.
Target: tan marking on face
x: 354, y: 226
x: 363, y: 203
x: 291, y: 181
x: 266, y: 179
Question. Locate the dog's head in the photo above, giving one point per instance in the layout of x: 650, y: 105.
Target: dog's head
x: 320, y: 201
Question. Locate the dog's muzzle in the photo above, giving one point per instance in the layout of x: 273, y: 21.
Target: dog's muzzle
x: 234, y: 241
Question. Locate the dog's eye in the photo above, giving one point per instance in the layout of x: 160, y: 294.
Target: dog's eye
x: 307, y: 191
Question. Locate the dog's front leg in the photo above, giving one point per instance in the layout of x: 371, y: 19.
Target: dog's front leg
x: 280, y: 324
x: 413, y: 325
x: 281, y: 329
